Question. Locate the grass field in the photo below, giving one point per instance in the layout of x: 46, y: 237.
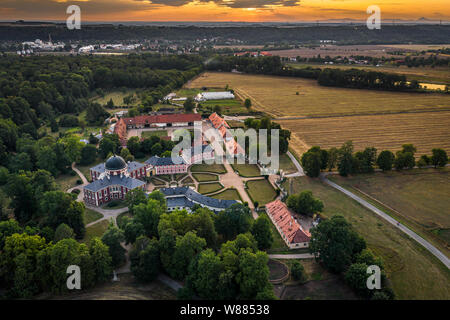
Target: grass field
x: 228, y: 194
x: 278, y: 244
x: 419, y: 197
x: 425, y: 130
x: 66, y: 181
x: 277, y: 96
x: 96, y: 230
x: 117, y: 97
x: 286, y: 164
x: 91, y: 216
x: 206, y: 188
x: 261, y: 191
x: 159, y: 133
x: 414, y: 272
x: 205, y: 177
x: 247, y: 170
x: 213, y: 168
x: 228, y: 107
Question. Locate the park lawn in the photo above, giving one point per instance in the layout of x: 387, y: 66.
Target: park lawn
x: 187, y: 180
x: 227, y: 106
x: 419, y: 197
x: 158, y: 133
x: 179, y: 176
x: 91, y: 216
x: 205, y: 177
x: 261, y: 191
x: 165, y: 177
x: 228, y: 194
x: 213, y: 168
x: 67, y: 181
x: 247, y: 170
x: 286, y: 164
x: 413, y: 271
x: 157, y: 182
x: 117, y: 97
x: 97, y: 230
x: 278, y: 244
x: 86, y: 170
x: 206, y: 188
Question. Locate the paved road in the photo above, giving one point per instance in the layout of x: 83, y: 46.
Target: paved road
x: 291, y: 256
x: 432, y: 249
x: 300, y: 172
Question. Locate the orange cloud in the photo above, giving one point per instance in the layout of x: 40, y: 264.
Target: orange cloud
x: 221, y: 10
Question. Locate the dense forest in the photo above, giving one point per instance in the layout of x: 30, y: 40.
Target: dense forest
x: 248, y: 34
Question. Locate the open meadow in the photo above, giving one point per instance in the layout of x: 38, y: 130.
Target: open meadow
x: 419, y: 198
x: 413, y: 271
x: 277, y: 96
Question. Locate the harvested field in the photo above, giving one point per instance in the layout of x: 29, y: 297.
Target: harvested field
x: 277, y: 96
x: 426, y: 131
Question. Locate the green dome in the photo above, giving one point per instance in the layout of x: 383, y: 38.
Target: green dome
x: 115, y: 163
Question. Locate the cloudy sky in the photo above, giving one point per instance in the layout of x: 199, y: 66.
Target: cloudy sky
x: 222, y: 10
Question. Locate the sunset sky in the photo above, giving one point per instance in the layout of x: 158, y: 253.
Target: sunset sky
x: 222, y: 10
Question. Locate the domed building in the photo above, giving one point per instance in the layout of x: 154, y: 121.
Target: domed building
x: 112, y: 180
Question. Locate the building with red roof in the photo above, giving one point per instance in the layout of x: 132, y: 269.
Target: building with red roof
x: 290, y: 230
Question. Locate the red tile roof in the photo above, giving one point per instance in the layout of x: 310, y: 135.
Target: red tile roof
x: 121, y: 130
x: 164, y: 118
x: 283, y: 218
x: 217, y: 121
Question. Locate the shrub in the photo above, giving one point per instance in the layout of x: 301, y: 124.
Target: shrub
x: 298, y: 271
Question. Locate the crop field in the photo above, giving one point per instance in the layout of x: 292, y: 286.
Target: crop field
x: 425, y: 130
x: 277, y: 96
x: 421, y: 74
x: 413, y: 271
x: 419, y: 198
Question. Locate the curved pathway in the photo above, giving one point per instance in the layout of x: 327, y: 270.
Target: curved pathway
x: 300, y: 172
x: 427, y: 245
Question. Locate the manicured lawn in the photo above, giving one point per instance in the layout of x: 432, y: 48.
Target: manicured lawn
x: 227, y: 106
x: 157, y: 182
x: 91, y: 216
x: 247, y: 170
x: 419, y: 198
x: 228, y: 194
x: 180, y: 176
x: 286, y: 164
x: 187, y: 180
x: 214, y: 168
x: 204, y: 177
x: 261, y: 191
x: 413, y: 271
x: 96, y: 230
x: 159, y: 133
x: 206, y: 188
x: 165, y: 177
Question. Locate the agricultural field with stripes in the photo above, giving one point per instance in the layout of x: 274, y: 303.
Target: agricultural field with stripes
x: 329, y: 116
